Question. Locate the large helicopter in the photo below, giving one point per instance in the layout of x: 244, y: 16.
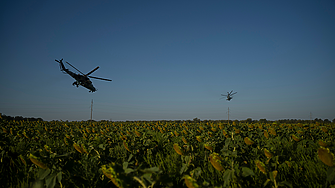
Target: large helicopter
x: 229, y: 95
x: 81, y: 79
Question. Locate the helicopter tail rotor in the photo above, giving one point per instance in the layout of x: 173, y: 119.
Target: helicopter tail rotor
x: 61, y: 65
x: 59, y: 61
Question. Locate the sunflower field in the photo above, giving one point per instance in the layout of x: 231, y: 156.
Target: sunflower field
x: 166, y: 154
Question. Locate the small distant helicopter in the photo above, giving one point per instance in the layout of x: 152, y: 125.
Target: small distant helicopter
x: 82, y: 79
x: 229, y: 96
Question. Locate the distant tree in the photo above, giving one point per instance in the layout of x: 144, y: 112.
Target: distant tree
x: 326, y: 121
x: 334, y: 120
x: 299, y: 121
x: 196, y: 120
x: 18, y: 118
x: 263, y: 121
x: 249, y: 120
x: 178, y: 121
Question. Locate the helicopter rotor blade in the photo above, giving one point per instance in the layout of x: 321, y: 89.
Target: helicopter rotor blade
x: 233, y: 94
x: 100, y: 78
x: 92, y: 71
x: 74, y: 68
x: 224, y: 95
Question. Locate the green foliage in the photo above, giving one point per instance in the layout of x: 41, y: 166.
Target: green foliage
x: 142, y: 154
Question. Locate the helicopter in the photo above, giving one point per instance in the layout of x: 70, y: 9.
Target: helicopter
x: 81, y: 79
x: 229, y: 96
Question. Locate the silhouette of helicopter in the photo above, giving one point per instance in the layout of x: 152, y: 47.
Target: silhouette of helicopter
x: 82, y: 79
x: 229, y: 96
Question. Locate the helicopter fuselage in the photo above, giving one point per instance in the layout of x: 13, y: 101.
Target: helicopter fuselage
x: 229, y: 95
x: 80, y: 79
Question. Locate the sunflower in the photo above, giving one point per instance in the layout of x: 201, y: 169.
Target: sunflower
x: 137, y: 133
x: 324, y: 129
x: 23, y: 160
x: 177, y: 148
x: 126, y: 146
x: 110, y: 173
x: 295, y: 138
x: 272, y: 131
x: 78, y: 148
x: 274, y: 173
x: 215, y: 160
x: 184, y: 140
x: 267, y: 153
x: 83, y: 148
x: 209, y: 147
x: 248, y: 141
x: 260, y: 166
x: 326, y: 156
x: 37, y: 162
x: 190, y: 182
x: 266, y: 134
x: 322, y: 143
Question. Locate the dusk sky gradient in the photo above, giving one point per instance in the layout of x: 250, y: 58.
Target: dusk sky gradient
x: 169, y: 60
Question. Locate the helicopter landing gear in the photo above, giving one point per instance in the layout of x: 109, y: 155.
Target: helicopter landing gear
x: 75, y: 84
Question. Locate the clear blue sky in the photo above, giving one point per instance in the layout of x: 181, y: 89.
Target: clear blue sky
x: 169, y: 59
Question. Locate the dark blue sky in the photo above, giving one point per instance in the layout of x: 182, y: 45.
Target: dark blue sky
x: 169, y: 59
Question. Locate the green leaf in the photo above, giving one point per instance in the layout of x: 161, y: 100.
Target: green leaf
x: 227, y: 142
x: 151, y: 170
x: 183, y: 168
x: 64, y: 155
x: 247, y: 172
x: 330, y: 174
x: 129, y: 170
x: 271, y: 177
x: 130, y: 156
x: 187, y: 159
x: 266, y: 182
x: 125, y: 165
x: 38, y: 184
x: 59, y: 177
x: 234, y: 153
x: 196, y: 173
x: 147, y: 177
x: 50, y: 181
x: 226, y: 177
x: 43, y: 173
x: 205, y: 183
x: 285, y: 183
x: 102, y: 146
